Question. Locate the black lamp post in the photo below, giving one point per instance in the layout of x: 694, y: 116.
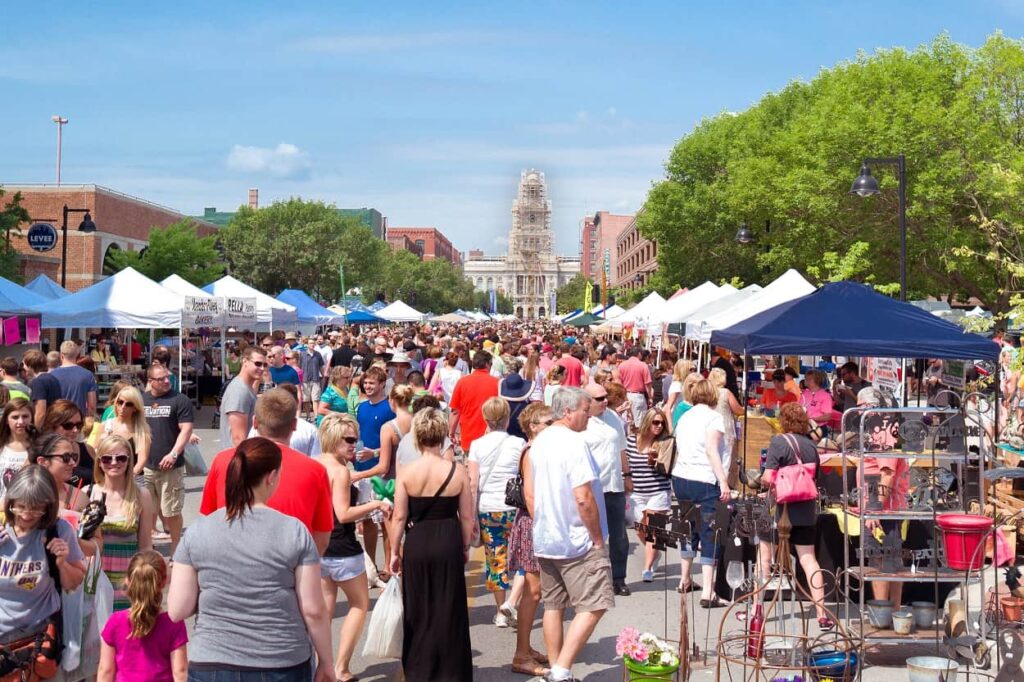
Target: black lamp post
x: 744, y: 235
x: 87, y: 225
x: 866, y: 186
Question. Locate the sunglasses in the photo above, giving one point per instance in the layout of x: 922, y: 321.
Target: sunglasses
x: 114, y: 459
x: 267, y: 345
x: 122, y: 403
x: 601, y: 398
x: 351, y: 440
x: 657, y: 423
x: 27, y: 511
x: 166, y: 377
x: 67, y: 459
x: 71, y: 426
x: 258, y: 364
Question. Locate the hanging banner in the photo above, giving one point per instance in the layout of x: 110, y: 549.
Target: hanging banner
x: 240, y: 311
x: 883, y: 373
x: 202, y: 311
x: 32, y: 330
x: 12, y: 332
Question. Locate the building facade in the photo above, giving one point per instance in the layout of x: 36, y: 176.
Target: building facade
x: 431, y: 242
x: 122, y: 222
x: 636, y: 258
x: 530, y: 272
x: 598, y: 237
x: 370, y: 217
x: 400, y: 242
x: 588, y: 247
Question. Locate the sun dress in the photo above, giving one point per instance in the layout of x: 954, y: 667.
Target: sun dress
x: 120, y: 544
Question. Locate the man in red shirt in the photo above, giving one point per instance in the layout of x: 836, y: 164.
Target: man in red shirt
x: 468, y: 398
x: 304, y: 492
x: 574, y: 369
x: 635, y: 376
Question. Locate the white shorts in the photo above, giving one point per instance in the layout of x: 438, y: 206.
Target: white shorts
x: 340, y: 569
x: 660, y: 501
x: 638, y: 404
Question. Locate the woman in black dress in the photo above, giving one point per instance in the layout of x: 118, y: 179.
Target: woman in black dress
x: 434, y: 509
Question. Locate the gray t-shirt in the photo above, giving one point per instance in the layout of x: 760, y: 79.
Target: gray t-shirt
x: 248, y: 611
x: 407, y: 453
x: 238, y: 397
x: 27, y: 594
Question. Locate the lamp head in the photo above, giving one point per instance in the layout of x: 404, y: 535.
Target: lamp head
x: 865, y: 185
x: 87, y: 225
x: 744, y: 235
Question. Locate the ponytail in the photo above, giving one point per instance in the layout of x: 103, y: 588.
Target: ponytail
x: 252, y: 460
x: 147, y: 574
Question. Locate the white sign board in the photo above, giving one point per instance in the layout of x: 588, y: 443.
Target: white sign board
x: 202, y: 311
x: 241, y: 311
x: 953, y: 373
x: 884, y: 373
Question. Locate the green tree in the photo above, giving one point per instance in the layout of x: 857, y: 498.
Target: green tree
x: 175, y: 249
x: 569, y: 296
x: 12, y: 215
x: 482, y: 301
x: 785, y: 167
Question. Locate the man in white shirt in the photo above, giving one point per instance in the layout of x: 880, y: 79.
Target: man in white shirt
x: 569, y: 531
x: 606, y: 438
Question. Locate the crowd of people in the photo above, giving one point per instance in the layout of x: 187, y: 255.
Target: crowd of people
x: 353, y: 457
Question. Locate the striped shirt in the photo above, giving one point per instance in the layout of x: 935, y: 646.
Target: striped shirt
x: 646, y: 480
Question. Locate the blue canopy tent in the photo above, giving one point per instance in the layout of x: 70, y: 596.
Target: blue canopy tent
x: 377, y: 305
x: 847, y: 318
x: 47, y: 288
x: 362, y: 317
x: 17, y: 299
x: 309, y: 312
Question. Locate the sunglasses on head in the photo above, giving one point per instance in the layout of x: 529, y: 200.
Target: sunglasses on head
x: 66, y: 458
x: 112, y: 459
x: 71, y: 426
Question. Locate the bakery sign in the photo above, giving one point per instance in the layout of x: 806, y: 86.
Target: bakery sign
x: 202, y: 311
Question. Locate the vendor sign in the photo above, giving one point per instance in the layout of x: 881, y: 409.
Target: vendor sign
x: 240, y: 311
x: 202, y: 311
x: 953, y: 373
x: 884, y: 373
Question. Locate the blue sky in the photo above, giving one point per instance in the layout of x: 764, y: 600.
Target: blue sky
x: 426, y: 111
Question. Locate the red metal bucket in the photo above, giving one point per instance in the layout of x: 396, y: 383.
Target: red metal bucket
x: 962, y: 534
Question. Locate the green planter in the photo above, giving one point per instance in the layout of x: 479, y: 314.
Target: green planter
x: 640, y: 672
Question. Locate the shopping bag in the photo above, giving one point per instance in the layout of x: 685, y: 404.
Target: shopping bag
x: 195, y: 465
x: 72, y: 606
x: 384, y: 635
x: 98, y: 604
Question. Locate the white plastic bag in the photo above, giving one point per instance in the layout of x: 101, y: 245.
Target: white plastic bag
x: 195, y: 465
x: 98, y: 604
x: 384, y: 636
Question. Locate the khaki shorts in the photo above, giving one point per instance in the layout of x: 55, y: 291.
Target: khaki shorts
x: 310, y: 391
x: 585, y: 583
x: 167, y: 489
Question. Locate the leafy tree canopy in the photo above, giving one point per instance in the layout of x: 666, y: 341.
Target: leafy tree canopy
x: 175, y: 249
x: 12, y: 214
x: 569, y: 296
x: 785, y: 166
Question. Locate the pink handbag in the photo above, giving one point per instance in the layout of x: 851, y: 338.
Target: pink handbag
x: 794, y: 482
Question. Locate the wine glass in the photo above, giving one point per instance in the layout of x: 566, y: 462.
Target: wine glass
x: 734, y: 576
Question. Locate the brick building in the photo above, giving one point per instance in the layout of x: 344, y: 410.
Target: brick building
x: 598, y: 236
x: 122, y: 222
x: 431, y: 242
x: 401, y: 242
x: 636, y: 258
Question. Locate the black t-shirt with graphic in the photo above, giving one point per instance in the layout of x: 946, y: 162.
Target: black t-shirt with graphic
x: 165, y: 415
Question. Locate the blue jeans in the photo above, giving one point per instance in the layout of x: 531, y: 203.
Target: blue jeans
x: 705, y: 496
x: 618, y: 542
x: 302, y: 672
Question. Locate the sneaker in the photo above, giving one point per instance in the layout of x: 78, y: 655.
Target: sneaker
x: 500, y: 620
x: 548, y: 678
x: 648, y: 576
x: 509, y: 612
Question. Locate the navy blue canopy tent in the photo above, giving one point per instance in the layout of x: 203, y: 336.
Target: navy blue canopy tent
x: 847, y: 318
x: 361, y: 316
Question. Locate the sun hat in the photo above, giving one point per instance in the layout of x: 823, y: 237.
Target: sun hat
x: 399, y: 357
x: 515, y: 388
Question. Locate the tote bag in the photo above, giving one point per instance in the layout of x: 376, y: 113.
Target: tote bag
x: 794, y: 482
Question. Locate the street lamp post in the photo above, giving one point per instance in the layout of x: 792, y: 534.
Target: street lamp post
x: 866, y: 185
x: 61, y: 122
x: 87, y: 225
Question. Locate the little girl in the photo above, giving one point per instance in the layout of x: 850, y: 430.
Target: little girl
x: 142, y: 644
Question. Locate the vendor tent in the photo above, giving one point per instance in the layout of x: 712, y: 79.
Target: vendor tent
x: 269, y: 310
x: 642, y: 312
x: 451, y: 318
x: 47, y: 288
x: 613, y: 311
x: 399, y: 312
x: 182, y: 286
x: 847, y: 318
x: 15, y: 298
x: 309, y: 312
x: 787, y: 287
x: 678, y: 307
x: 584, y: 320
x: 377, y: 306
x: 128, y: 299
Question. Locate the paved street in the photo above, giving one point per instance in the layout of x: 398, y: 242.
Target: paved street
x: 652, y: 607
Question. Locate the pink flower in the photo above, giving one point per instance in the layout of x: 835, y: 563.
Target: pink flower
x: 626, y: 641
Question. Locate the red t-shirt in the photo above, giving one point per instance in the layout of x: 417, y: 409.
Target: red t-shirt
x: 574, y: 371
x: 634, y: 375
x: 304, y: 492
x: 771, y: 399
x: 468, y: 398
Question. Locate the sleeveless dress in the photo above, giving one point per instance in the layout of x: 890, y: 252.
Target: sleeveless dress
x: 436, y: 645
x: 120, y: 544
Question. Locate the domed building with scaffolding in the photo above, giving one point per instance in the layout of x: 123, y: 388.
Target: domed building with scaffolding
x: 530, y: 272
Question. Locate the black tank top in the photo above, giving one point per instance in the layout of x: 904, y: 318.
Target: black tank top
x: 343, y: 536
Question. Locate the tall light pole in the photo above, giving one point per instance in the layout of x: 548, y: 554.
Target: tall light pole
x: 61, y: 122
x: 866, y: 186
x: 87, y: 225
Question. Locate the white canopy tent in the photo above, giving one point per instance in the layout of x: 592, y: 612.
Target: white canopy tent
x: 789, y: 286
x: 269, y: 311
x: 642, y: 311
x: 718, y: 305
x: 127, y: 300
x: 399, y: 312
x: 613, y: 311
x: 679, y: 306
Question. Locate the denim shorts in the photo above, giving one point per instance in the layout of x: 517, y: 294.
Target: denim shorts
x: 702, y: 535
x: 303, y: 672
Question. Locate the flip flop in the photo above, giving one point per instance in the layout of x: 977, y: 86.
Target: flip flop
x: 536, y: 671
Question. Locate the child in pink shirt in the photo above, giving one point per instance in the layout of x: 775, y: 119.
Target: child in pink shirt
x: 142, y: 644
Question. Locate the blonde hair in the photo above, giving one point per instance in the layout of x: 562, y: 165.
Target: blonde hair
x: 402, y: 395
x: 688, y: 383
x: 496, y: 413
x: 429, y: 428
x: 130, y: 504
x: 333, y: 428
x: 139, y: 426
x: 703, y: 392
x: 144, y: 582
x: 717, y: 377
x: 682, y: 369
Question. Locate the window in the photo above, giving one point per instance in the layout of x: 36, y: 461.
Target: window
x: 422, y: 244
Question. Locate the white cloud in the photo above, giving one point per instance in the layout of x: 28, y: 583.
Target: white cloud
x: 285, y: 161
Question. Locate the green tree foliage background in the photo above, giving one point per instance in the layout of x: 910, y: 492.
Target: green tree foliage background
x: 569, y: 296
x: 787, y: 164
x: 175, y: 249
x: 12, y: 214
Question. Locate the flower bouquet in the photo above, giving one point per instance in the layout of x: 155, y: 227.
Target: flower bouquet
x: 646, y: 657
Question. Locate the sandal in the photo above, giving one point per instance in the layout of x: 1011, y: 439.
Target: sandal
x: 713, y: 603
x: 539, y: 657
x: 826, y: 623
x: 689, y: 587
x: 530, y: 668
